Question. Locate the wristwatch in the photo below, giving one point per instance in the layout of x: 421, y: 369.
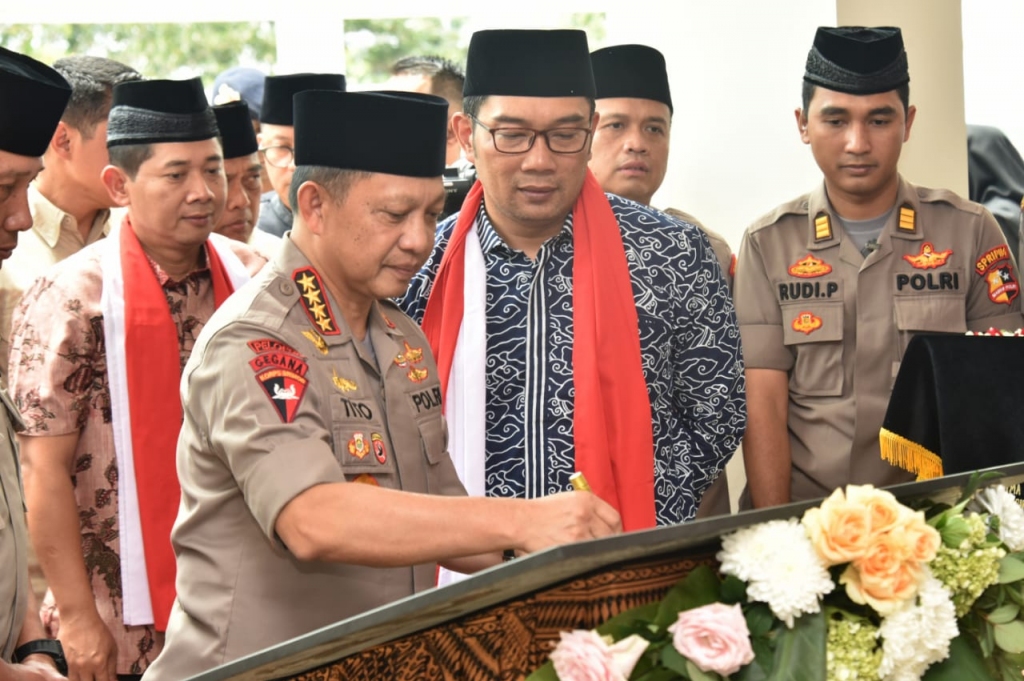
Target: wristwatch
x: 44, y: 646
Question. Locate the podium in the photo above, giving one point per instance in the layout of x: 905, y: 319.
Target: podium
x: 502, y: 622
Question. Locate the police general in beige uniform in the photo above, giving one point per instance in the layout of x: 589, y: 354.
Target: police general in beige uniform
x: 833, y: 318
x: 309, y: 403
x: 32, y: 99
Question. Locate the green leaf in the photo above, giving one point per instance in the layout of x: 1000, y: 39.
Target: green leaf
x: 545, y: 673
x: 1010, y: 570
x: 659, y: 674
x: 963, y: 664
x: 800, y: 651
x: 629, y: 621
x: 954, y: 532
x: 671, y: 658
x: 696, y: 674
x: 1004, y: 614
x: 734, y: 590
x: 700, y: 587
x: 759, y: 619
x: 987, y: 642
x: 1010, y: 636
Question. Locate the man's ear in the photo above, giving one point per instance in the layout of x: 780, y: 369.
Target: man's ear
x: 116, y: 182
x: 462, y: 125
x: 313, y: 202
x: 801, y: 125
x: 60, y: 143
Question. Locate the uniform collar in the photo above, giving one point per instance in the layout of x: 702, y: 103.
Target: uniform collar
x: 48, y: 220
x: 823, y: 226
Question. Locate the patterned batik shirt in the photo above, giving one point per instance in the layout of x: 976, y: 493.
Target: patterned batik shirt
x: 58, y: 379
x: 689, y: 342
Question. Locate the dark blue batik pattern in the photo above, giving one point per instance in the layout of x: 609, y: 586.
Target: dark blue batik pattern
x: 689, y: 341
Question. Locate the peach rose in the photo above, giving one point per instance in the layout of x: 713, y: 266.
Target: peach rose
x: 839, y: 529
x: 884, y: 510
x: 884, y: 577
x: 921, y: 539
x: 714, y: 637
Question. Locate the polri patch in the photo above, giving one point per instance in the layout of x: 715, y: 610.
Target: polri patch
x: 807, y: 323
x: 377, y: 441
x: 928, y: 258
x: 285, y: 390
x: 357, y: 446
x: 1002, y: 286
x: 314, y: 300
x: 810, y: 267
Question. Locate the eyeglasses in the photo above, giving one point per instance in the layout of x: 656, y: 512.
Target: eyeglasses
x: 520, y: 140
x: 279, y: 156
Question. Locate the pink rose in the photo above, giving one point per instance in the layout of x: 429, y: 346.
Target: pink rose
x: 714, y: 637
x: 586, y: 656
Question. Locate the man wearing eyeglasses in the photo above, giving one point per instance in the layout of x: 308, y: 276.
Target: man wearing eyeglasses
x: 277, y: 141
x: 573, y: 330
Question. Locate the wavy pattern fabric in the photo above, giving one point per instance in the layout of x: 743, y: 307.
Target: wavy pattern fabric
x: 689, y: 344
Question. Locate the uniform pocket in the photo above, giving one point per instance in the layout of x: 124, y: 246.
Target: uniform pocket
x: 814, y: 333
x: 926, y: 314
x: 434, y: 439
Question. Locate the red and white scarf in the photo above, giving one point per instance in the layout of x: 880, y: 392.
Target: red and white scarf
x: 144, y: 369
x: 612, y: 411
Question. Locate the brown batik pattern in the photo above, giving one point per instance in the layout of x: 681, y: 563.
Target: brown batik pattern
x: 511, y: 640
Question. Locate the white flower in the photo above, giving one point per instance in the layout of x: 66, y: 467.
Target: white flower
x: 999, y: 502
x: 779, y: 565
x: 917, y: 635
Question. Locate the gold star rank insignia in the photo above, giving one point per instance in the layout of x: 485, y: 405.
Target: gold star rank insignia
x: 314, y: 302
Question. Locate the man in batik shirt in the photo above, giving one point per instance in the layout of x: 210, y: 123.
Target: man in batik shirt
x: 573, y: 330
x: 120, y: 318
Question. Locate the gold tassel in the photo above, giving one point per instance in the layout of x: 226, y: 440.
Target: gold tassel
x: 910, y: 456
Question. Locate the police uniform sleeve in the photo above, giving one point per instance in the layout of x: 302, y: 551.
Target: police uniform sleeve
x: 993, y: 298
x: 757, y: 311
x: 261, y: 419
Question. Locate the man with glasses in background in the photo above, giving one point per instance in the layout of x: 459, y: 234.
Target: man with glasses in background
x: 574, y: 331
x: 277, y: 141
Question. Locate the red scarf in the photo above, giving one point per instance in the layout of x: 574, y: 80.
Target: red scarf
x: 154, y: 373
x: 612, y: 411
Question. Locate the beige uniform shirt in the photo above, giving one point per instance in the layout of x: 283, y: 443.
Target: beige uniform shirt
x: 811, y: 305
x: 264, y: 243
x: 53, y: 237
x: 280, y: 397
x: 14, y: 583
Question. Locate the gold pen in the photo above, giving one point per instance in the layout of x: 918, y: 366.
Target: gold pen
x: 579, y: 482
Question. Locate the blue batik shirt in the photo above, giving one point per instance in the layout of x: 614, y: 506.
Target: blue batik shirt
x: 689, y: 343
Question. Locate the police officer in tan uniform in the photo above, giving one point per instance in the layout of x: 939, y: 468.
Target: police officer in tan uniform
x: 32, y: 100
x: 630, y: 158
x: 313, y: 409
x: 831, y: 287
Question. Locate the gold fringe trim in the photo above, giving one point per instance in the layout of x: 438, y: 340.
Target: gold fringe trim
x: 910, y: 456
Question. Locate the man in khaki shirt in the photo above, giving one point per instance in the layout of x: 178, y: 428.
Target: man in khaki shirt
x: 313, y: 410
x: 630, y: 158
x: 70, y: 206
x: 830, y: 287
x: 32, y: 97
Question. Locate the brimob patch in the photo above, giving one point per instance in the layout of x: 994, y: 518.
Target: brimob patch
x: 285, y: 390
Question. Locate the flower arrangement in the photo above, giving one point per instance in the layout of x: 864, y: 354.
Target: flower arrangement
x: 861, y: 587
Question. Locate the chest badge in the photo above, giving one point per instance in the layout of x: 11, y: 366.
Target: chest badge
x: 807, y: 323
x: 314, y: 300
x: 343, y: 384
x: 317, y: 340
x: 928, y: 258
x: 406, y: 360
x: 810, y: 267
x: 387, y: 322
x: 366, y: 479
x: 357, y: 446
x: 377, y: 442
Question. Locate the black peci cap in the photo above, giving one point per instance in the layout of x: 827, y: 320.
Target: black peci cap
x: 529, y: 63
x: 635, y: 71
x: 32, y: 100
x: 398, y: 133
x: 236, y: 134
x: 858, y: 60
x: 155, y: 111
x: 279, y: 91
